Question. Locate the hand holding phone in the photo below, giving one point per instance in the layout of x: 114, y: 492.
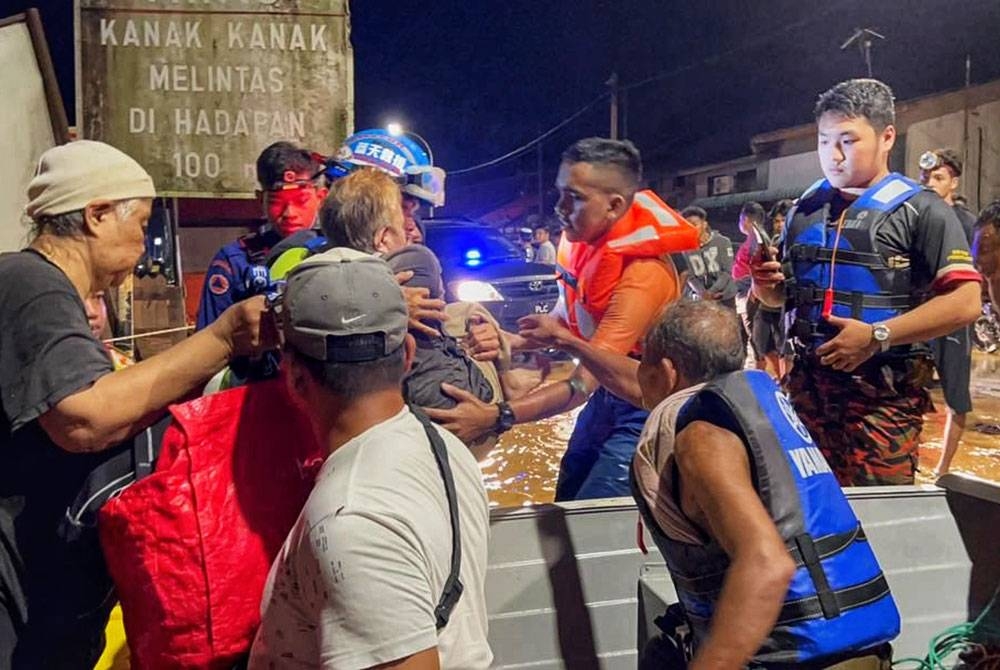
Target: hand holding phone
x: 763, y: 242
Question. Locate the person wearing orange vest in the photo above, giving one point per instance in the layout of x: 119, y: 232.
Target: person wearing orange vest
x: 615, y: 278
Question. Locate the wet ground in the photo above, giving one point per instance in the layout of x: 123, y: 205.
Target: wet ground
x: 522, y: 468
x: 979, y: 452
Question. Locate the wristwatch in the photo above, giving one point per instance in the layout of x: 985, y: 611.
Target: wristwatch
x: 505, y: 419
x: 881, y: 334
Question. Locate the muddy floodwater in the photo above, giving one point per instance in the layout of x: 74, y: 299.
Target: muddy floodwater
x: 522, y: 469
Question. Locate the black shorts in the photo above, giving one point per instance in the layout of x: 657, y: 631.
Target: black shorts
x: 766, y: 331
x: 953, y: 359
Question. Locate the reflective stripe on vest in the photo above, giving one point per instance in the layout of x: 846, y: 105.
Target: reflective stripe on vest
x: 838, y: 599
x: 867, y: 287
x: 588, y: 273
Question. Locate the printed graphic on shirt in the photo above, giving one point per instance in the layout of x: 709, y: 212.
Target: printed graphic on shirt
x: 218, y: 284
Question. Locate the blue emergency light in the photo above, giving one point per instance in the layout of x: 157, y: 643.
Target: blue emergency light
x: 473, y: 258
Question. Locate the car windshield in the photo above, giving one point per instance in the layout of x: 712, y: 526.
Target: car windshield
x: 469, y: 245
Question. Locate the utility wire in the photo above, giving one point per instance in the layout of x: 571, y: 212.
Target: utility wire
x: 709, y: 60
x: 754, y: 43
x: 533, y: 143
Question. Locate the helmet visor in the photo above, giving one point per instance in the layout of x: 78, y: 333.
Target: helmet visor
x: 425, y: 182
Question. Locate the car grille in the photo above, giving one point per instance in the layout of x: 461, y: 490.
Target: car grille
x: 536, y: 288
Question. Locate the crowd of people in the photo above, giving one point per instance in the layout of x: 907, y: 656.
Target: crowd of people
x: 843, y: 293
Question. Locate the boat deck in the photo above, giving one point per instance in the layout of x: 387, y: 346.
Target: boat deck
x: 564, y: 581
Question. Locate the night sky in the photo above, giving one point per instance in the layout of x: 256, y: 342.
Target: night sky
x: 478, y: 79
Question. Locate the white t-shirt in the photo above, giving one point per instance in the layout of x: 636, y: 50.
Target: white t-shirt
x: 546, y: 253
x: 655, y: 447
x: 357, y: 580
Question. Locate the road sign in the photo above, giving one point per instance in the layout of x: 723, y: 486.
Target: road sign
x: 195, y: 89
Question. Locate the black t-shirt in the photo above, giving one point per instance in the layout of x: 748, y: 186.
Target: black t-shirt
x: 925, y: 232
x: 47, y: 353
x: 968, y: 221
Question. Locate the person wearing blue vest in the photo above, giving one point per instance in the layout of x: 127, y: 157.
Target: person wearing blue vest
x: 871, y: 266
x: 771, y: 566
x: 291, y: 193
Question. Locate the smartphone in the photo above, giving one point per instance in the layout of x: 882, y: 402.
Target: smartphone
x: 763, y: 242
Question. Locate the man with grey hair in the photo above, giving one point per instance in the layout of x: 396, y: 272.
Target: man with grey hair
x: 363, y: 212
x: 386, y: 564
x: 721, y: 473
x: 68, y: 416
x: 739, y: 501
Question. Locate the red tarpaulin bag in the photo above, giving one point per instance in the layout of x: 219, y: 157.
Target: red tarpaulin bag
x: 190, y: 546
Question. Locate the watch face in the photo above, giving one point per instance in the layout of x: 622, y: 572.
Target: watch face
x: 880, y: 333
x: 506, y: 419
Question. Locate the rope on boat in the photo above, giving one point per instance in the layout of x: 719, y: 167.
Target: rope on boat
x: 167, y: 331
x: 970, y: 637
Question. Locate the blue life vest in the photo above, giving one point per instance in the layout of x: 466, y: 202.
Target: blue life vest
x: 838, y: 601
x: 866, y: 286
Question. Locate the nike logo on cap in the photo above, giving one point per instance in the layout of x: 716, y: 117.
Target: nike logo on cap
x: 352, y: 319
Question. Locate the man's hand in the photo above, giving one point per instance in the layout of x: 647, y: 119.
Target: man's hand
x: 248, y: 328
x: 766, y: 278
x: 543, y: 330
x: 482, y: 341
x: 470, y: 419
x: 765, y: 273
x: 851, y: 347
x: 421, y: 306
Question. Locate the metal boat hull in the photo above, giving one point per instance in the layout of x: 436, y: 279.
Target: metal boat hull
x: 567, y: 586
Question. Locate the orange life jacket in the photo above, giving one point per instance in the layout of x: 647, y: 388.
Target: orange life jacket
x: 588, y: 273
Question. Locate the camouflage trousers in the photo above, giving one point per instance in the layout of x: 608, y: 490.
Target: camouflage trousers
x: 867, y: 423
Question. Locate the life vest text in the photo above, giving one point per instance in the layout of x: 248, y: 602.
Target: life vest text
x: 809, y: 461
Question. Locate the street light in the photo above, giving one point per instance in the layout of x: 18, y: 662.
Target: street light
x: 396, y: 129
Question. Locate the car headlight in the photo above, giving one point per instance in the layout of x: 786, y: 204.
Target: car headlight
x: 473, y: 290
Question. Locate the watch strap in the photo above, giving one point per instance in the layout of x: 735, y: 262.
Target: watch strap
x: 505, y: 418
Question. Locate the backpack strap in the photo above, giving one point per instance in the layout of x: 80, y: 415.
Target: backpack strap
x: 452, y: 586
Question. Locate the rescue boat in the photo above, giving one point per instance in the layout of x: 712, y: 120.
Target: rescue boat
x: 570, y: 586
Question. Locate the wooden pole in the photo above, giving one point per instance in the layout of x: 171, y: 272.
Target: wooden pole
x: 57, y: 113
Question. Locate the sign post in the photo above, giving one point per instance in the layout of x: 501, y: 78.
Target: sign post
x: 195, y: 89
